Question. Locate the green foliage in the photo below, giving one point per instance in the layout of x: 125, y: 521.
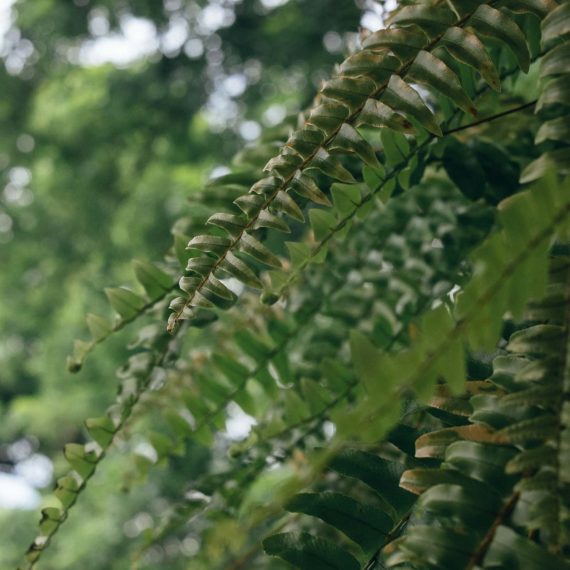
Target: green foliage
x: 506, y: 468
x: 394, y: 267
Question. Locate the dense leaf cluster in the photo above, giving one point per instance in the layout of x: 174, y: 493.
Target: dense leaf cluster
x: 407, y: 366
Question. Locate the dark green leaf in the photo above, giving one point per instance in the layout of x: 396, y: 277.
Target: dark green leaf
x: 210, y: 244
x: 431, y: 71
x: 433, y: 20
x: 306, y: 141
x: 556, y: 24
x: 556, y: 61
x: 201, y: 265
x: 268, y: 220
x: 309, y: 553
x: 331, y: 166
x: 215, y: 292
x: 237, y: 268
x: 494, y: 24
x: 377, y: 114
x: 556, y: 92
x: 365, y: 524
x: 266, y: 186
x: 285, y: 164
x: 537, y: 7
x: 510, y: 550
x: 403, y: 42
x: 350, y: 91
x: 376, y: 64
x: 306, y: 187
x: 467, y: 48
x: 551, y: 161
x: 250, y: 203
x: 248, y: 244
x: 329, y: 116
x: 350, y: 140
x: 554, y: 130
x: 380, y: 474
x: 284, y: 203
x: 399, y: 95
x: 229, y: 222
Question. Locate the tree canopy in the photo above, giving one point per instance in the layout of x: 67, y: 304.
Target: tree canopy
x: 335, y: 290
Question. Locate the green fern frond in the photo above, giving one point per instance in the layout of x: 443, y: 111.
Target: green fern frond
x: 374, y: 74
x: 516, y: 432
x: 503, y: 447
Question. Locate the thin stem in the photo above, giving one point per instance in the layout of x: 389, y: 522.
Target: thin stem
x: 491, y: 118
x: 477, y: 557
x: 392, y: 535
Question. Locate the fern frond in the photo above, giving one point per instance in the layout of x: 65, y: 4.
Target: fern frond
x: 128, y: 307
x: 85, y: 458
x: 507, y: 432
x: 437, y: 45
x: 374, y: 74
x: 554, y: 133
x: 372, y: 417
x: 418, y: 211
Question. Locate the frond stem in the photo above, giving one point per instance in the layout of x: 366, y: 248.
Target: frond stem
x: 478, y: 556
x: 491, y: 118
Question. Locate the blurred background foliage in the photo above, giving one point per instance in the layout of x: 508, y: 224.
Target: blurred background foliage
x: 112, y: 113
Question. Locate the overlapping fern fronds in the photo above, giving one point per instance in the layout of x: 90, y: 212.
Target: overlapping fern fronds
x: 374, y: 314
